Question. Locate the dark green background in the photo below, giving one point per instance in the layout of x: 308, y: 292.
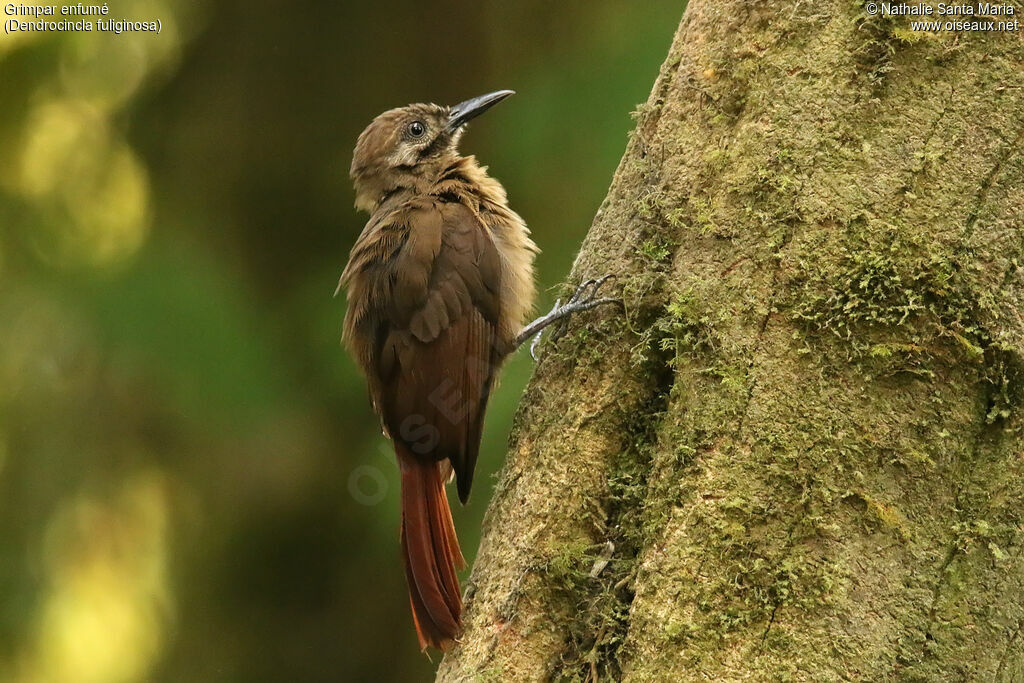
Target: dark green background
x: 179, y: 426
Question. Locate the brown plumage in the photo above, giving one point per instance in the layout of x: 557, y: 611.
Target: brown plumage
x: 439, y: 283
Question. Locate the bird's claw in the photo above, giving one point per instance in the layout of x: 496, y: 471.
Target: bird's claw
x: 583, y: 299
x: 593, y: 285
x: 536, y: 337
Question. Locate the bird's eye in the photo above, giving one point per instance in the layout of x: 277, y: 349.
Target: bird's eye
x: 417, y: 129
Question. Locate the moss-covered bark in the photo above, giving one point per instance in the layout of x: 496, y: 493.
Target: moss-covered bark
x: 804, y: 439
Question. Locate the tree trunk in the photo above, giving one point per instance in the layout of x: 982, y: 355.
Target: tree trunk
x: 800, y: 450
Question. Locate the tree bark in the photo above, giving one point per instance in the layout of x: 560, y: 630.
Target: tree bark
x: 800, y: 450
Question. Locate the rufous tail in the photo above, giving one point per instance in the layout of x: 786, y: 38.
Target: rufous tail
x: 431, y: 552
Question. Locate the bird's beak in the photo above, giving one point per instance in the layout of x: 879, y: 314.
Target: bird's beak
x: 464, y: 111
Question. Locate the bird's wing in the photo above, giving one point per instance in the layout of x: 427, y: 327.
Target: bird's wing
x: 432, y: 282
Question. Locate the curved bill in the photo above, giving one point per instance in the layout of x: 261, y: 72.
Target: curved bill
x: 464, y: 111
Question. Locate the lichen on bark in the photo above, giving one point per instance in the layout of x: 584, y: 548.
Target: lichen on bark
x: 803, y: 438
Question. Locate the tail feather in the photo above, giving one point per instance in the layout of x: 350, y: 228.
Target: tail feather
x: 430, y: 548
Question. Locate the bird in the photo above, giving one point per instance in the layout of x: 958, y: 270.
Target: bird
x: 439, y: 284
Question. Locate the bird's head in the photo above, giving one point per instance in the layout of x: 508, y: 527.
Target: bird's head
x: 410, y: 146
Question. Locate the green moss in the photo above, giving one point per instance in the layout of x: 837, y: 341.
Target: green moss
x: 1004, y: 376
x: 889, y: 518
x: 662, y: 208
x: 685, y: 326
x: 492, y: 674
x: 655, y: 250
x: 876, y: 274
x: 566, y: 565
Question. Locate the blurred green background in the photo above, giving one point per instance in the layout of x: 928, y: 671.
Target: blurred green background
x: 192, y: 485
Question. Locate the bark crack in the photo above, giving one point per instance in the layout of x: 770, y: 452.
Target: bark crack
x: 940, y: 582
x: 916, y: 172
x: 778, y: 603
x: 981, y: 196
x: 954, y: 549
x: 771, y: 621
x: 1007, y: 650
x: 594, y: 639
x: 759, y: 338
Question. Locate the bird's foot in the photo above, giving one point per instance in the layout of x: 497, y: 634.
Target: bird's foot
x: 583, y: 299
